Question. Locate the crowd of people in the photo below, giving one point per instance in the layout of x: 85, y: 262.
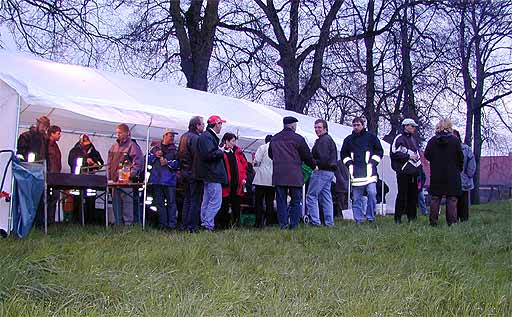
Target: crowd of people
x: 215, y: 173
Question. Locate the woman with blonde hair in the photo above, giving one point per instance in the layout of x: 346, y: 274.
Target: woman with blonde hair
x: 446, y: 159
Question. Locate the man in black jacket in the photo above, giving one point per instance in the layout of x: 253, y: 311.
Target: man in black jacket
x: 189, y: 161
x: 325, y: 155
x: 361, y: 153
x: 288, y: 150
x: 34, y: 141
x: 405, y: 161
x: 211, y: 171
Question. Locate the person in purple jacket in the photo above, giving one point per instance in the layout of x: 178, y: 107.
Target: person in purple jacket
x: 124, y: 148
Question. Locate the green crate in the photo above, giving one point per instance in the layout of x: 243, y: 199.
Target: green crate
x: 247, y: 219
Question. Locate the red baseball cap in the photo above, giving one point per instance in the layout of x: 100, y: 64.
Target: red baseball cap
x: 215, y: 120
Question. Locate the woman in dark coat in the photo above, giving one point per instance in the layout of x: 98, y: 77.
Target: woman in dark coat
x: 444, y: 153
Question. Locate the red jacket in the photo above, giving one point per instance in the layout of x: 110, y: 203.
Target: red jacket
x: 241, y: 165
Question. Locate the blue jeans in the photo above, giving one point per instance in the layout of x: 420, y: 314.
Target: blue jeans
x: 319, y: 193
x: 421, y: 202
x: 165, y: 197
x: 282, y: 206
x: 191, y: 214
x: 358, y: 205
x: 212, y: 201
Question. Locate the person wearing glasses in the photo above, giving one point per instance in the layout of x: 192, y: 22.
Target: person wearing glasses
x: 361, y: 152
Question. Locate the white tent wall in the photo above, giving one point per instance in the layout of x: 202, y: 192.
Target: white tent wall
x: 8, y: 110
x: 112, y: 97
x: 389, y: 177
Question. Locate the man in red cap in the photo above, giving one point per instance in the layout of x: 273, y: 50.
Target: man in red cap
x: 211, y: 171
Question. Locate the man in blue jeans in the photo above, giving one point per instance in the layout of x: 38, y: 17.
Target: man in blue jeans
x: 325, y: 155
x: 288, y: 150
x: 361, y: 153
x: 211, y: 171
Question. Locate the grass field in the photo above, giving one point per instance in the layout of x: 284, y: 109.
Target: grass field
x: 378, y: 270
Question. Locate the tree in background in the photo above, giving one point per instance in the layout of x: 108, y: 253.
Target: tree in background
x: 299, y: 31
x: 143, y: 38
x: 482, y: 55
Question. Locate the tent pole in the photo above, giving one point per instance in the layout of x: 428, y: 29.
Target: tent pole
x: 382, y: 188
x: 146, y: 177
x: 349, y: 198
x: 45, y: 199
x: 10, y: 224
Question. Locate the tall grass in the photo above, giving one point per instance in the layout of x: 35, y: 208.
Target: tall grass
x: 381, y: 269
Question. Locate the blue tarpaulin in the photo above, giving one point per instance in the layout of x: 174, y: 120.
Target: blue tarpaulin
x: 27, y: 192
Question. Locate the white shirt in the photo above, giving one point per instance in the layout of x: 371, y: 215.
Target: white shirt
x: 263, y: 166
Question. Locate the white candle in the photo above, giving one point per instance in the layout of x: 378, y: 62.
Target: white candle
x: 79, y: 162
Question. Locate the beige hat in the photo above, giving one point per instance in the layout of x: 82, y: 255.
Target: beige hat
x: 168, y: 131
x: 44, y: 120
x: 409, y: 121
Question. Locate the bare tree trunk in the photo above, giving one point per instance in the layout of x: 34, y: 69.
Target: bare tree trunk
x: 477, y: 151
x: 291, y: 82
x: 409, y: 108
x: 291, y: 53
x: 196, y: 35
x: 369, y: 42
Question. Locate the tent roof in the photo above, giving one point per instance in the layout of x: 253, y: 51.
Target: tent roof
x: 90, y: 100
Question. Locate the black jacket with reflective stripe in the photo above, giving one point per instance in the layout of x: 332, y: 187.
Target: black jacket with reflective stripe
x: 361, y: 153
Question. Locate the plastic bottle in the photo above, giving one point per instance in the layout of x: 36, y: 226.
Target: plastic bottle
x: 124, y: 169
x: 127, y: 166
x: 120, y: 173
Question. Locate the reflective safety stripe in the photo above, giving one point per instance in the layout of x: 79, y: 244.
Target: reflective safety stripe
x: 351, y: 170
x: 361, y: 181
x: 369, y: 170
x: 345, y: 160
x: 376, y: 158
x: 367, y: 157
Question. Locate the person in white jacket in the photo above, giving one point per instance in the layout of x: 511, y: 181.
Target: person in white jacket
x: 263, y: 182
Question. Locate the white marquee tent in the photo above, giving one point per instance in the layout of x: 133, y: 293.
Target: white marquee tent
x: 81, y: 99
